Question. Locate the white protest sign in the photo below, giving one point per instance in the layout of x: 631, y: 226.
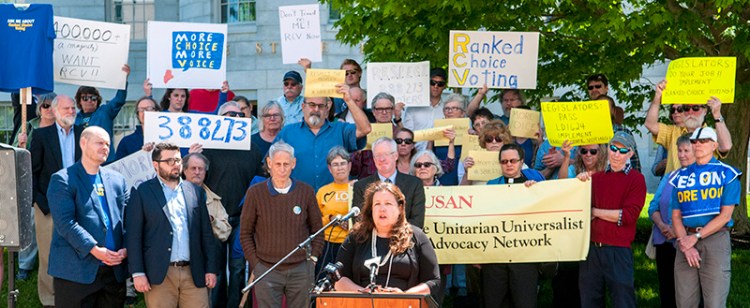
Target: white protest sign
x: 409, y: 83
x: 300, y: 33
x: 136, y: 168
x: 502, y: 60
x: 186, y: 55
x: 91, y: 53
x: 185, y: 129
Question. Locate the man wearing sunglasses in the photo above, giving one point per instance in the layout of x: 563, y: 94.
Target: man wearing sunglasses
x: 292, y: 100
x: 418, y: 118
x: 597, y: 85
x: 617, y: 196
x: 705, y: 194
x: 693, y: 117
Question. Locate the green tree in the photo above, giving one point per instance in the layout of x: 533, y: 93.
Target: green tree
x: 578, y: 38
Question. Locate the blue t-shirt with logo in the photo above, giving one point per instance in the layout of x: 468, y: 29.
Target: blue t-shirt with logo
x: 701, y: 190
x: 26, y: 59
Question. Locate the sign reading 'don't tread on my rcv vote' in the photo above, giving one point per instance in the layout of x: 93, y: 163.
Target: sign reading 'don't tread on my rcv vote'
x: 501, y: 60
x: 186, y: 55
x: 185, y: 129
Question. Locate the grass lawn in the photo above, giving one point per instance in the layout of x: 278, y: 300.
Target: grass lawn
x: 647, y: 285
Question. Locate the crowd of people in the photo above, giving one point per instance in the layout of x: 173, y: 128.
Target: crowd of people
x: 213, y: 220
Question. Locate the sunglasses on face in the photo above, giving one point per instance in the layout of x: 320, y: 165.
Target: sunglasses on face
x: 351, y: 72
x: 290, y: 84
x: 87, y: 98
x: 681, y: 109
x: 404, y: 140
x: 596, y: 86
x: 423, y: 165
x: 511, y: 161
x: 45, y: 106
x: 233, y: 114
x: 702, y: 140
x: 491, y: 139
x: 584, y: 151
x: 437, y: 83
x: 615, y: 149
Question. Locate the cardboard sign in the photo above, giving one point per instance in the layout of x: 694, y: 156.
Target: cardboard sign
x: 547, y: 222
x: 486, y: 166
x: 322, y: 83
x: 430, y: 134
x: 461, y: 125
x: 524, y: 123
x: 501, y: 60
x: 471, y: 143
x: 409, y: 83
x: 91, y: 53
x: 136, y: 168
x: 300, y: 33
x: 185, y: 129
x: 695, y: 80
x: 378, y: 131
x: 580, y: 122
x: 186, y: 55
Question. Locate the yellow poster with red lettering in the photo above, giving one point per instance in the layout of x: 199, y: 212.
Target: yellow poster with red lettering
x: 547, y: 222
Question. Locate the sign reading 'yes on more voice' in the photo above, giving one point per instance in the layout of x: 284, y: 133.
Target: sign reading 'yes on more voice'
x: 186, y: 55
x: 579, y: 122
x: 91, y: 53
x: 409, y: 83
x: 695, y: 80
x: 300, y: 33
x: 505, y: 60
x: 185, y: 129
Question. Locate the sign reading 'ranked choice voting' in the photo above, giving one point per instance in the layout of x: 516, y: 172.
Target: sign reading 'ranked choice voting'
x: 186, y: 55
x: 501, y: 60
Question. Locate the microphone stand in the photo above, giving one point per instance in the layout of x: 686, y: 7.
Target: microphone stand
x: 304, y: 245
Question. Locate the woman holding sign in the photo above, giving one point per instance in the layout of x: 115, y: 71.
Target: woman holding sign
x: 402, y: 255
x: 491, y: 138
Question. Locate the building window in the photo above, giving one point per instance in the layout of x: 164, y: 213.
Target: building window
x: 333, y: 14
x: 135, y: 13
x: 237, y: 11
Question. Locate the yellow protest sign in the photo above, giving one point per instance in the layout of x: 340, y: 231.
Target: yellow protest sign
x: 471, y: 143
x: 461, y: 125
x: 547, y: 222
x: 379, y: 130
x: 524, y: 123
x: 580, y: 122
x: 430, y: 134
x: 322, y: 83
x: 486, y: 166
x: 695, y: 80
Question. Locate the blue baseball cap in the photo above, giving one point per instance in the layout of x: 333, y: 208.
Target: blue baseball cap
x: 293, y: 75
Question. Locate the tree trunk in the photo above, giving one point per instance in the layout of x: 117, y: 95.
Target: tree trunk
x: 738, y: 121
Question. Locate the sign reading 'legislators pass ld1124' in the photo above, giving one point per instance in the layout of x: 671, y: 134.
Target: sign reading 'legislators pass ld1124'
x: 185, y: 129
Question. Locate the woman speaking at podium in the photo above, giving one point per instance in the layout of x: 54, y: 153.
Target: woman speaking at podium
x: 400, y: 254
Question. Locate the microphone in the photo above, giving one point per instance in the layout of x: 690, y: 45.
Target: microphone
x: 373, y: 265
x: 332, y: 275
x: 352, y: 213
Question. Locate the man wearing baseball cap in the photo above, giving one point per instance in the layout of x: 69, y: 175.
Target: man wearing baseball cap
x: 291, y: 101
x: 704, y: 196
x: 617, y: 196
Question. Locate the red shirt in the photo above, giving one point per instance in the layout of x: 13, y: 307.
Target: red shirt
x: 614, y: 191
x: 202, y: 100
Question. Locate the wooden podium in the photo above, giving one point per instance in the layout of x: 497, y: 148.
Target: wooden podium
x: 375, y: 300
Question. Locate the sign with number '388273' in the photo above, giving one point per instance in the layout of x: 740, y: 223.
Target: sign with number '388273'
x: 185, y: 129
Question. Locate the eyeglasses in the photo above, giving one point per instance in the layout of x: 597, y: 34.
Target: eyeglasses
x: 596, y: 86
x: 314, y: 105
x: 449, y: 109
x: 404, y: 140
x: 437, y: 83
x: 290, y: 84
x: 383, y: 109
x: 382, y: 156
x: 272, y: 116
x: 614, y: 148
x: 491, y: 139
x: 87, y: 98
x: 146, y: 109
x: 235, y: 114
x: 702, y: 140
x: 686, y: 108
x: 507, y: 161
x: 585, y: 151
x: 339, y: 165
x: 351, y: 72
x: 170, y: 161
x: 45, y: 106
x: 423, y: 165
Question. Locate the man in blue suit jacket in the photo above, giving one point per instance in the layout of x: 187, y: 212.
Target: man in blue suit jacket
x: 87, y: 252
x: 174, y: 255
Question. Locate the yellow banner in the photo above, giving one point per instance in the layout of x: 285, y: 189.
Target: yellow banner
x: 471, y: 143
x: 547, y: 222
x: 379, y: 130
x: 461, y: 125
x: 580, y: 122
x: 524, y: 123
x: 486, y: 166
x: 322, y: 83
x: 430, y: 134
x: 695, y: 80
